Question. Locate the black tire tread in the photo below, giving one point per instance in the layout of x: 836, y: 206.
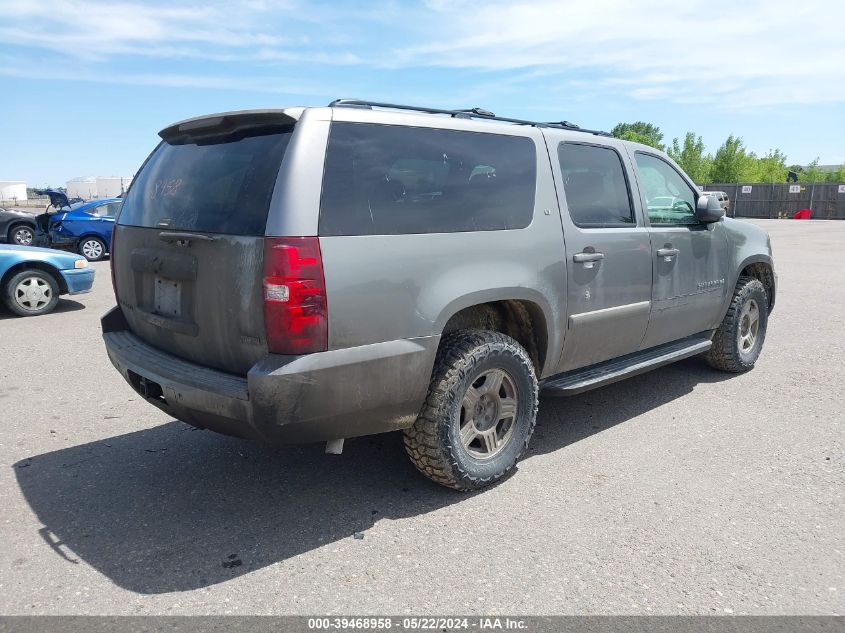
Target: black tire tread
x: 426, y: 442
x: 12, y: 282
x: 86, y: 239
x: 13, y: 228
x: 724, y: 354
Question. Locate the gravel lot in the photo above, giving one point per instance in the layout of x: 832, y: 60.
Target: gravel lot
x: 682, y: 491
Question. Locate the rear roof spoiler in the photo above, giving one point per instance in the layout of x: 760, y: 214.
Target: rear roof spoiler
x: 225, y: 123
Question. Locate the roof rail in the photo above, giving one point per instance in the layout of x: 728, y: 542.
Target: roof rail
x: 470, y: 113
x: 566, y: 125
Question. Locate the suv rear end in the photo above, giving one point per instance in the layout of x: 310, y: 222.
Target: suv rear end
x: 222, y: 316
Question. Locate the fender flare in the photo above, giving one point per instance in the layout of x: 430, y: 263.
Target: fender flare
x: 490, y: 295
x: 758, y: 258
x: 18, y: 222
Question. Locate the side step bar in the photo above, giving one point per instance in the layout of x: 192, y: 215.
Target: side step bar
x: 580, y: 380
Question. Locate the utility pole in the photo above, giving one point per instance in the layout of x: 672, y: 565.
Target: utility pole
x: 812, y: 195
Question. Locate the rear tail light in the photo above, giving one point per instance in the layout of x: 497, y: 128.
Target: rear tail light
x: 111, y: 261
x: 295, y: 309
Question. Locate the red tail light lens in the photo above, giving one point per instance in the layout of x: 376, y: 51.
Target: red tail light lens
x: 295, y: 310
x: 111, y: 261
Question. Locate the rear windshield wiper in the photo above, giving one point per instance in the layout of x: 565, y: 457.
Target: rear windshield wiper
x: 175, y: 236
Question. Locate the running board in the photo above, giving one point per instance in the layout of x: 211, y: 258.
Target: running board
x: 571, y: 383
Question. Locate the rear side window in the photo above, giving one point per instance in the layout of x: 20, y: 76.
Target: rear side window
x: 106, y: 210
x: 222, y: 186
x: 389, y: 180
x: 595, y: 186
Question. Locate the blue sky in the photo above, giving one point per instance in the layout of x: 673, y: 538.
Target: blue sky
x: 87, y: 84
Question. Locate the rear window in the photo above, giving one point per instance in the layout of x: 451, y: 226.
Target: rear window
x: 219, y: 187
x: 389, y: 180
x: 105, y: 210
x: 595, y: 186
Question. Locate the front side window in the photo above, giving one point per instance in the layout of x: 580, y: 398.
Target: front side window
x: 391, y: 180
x: 669, y: 199
x: 595, y: 186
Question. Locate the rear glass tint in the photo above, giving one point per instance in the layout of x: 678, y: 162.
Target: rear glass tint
x: 219, y: 187
x: 388, y: 180
x: 595, y: 186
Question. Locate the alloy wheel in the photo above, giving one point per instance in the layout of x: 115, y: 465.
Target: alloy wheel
x: 22, y: 236
x: 488, y: 414
x: 749, y: 326
x: 32, y: 294
x: 92, y: 249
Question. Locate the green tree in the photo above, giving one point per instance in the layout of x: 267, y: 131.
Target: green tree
x: 772, y: 167
x: 691, y: 158
x: 813, y: 173
x: 732, y: 163
x: 640, y: 132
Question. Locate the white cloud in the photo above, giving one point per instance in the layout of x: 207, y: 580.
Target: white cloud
x: 748, y: 54
x: 96, y: 30
x: 758, y: 52
x: 10, y: 68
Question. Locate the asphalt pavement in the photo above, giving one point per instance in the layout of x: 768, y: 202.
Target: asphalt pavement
x: 681, y: 491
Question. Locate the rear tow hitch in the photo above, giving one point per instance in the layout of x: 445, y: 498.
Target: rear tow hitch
x: 149, y: 389
x: 334, y: 447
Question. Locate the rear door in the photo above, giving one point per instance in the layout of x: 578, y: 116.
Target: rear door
x: 189, y: 239
x: 608, y: 254
x: 690, y: 259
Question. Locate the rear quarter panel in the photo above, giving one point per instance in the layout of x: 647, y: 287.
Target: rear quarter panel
x: 388, y: 287
x: 78, y: 224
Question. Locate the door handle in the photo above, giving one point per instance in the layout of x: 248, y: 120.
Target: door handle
x: 582, y: 258
x: 667, y: 252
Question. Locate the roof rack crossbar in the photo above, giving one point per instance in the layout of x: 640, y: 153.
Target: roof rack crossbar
x: 469, y: 113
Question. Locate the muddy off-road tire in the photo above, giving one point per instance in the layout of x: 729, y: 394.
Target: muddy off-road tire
x: 739, y: 340
x: 479, y: 413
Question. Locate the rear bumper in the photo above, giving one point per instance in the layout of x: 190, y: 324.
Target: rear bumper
x: 78, y: 280
x: 328, y: 395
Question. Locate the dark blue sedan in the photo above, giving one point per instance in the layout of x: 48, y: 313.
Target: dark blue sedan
x: 84, y: 227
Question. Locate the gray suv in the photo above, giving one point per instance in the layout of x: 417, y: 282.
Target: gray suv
x: 313, y: 274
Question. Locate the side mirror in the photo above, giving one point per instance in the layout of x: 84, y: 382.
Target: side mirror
x: 708, y: 209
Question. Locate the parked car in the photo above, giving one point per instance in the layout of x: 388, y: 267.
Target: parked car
x: 82, y: 226
x: 85, y: 227
x: 723, y: 199
x: 323, y: 273
x: 17, y: 227
x: 31, y: 278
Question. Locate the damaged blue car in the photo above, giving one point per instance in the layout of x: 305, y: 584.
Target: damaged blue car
x: 84, y: 227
